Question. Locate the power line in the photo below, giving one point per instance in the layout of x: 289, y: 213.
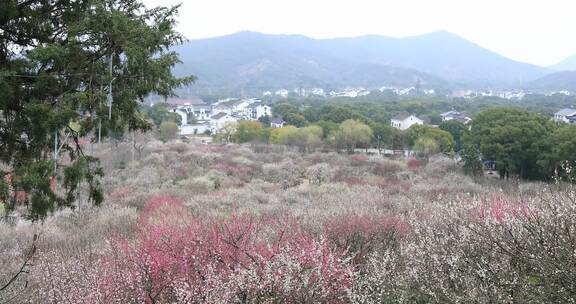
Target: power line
x: 61, y: 75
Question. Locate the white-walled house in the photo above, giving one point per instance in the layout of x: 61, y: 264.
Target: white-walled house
x: 218, y: 121
x: 257, y: 110
x: 237, y: 107
x: 405, y: 121
x: 190, y: 107
x: 202, y: 112
x: 222, y: 108
x: 565, y: 115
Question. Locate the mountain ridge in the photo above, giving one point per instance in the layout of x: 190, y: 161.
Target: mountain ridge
x: 562, y: 80
x: 252, y: 60
x: 568, y: 64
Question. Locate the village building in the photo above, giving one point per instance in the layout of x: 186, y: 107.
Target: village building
x: 565, y: 115
x: 218, y: 121
x: 236, y: 107
x: 191, y: 109
x: 405, y: 120
x: 455, y: 115
x: 257, y: 110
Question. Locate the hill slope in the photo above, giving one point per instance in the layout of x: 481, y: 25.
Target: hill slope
x: 568, y: 64
x: 440, y: 59
x: 565, y: 80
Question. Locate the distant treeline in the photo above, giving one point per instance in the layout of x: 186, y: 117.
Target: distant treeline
x: 519, y: 142
x: 381, y: 107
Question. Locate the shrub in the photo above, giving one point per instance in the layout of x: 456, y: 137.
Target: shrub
x: 320, y: 174
x: 358, y: 159
x: 287, y: 174
x: 167, y: 131
x: 385, y: 168
x: 200, y: 184
x: 362, y: 235
x: 413, y: 163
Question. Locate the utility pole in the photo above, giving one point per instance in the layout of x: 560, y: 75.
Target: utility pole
x: 110, y: 89
x: 133, y: 144
x: 55, y: 151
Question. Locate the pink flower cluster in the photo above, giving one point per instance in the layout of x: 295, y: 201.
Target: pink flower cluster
x: 414, y: 164
x: 358, y: 159
x: 121, y: 192
x: 179, y: 258
x: 501, y: 209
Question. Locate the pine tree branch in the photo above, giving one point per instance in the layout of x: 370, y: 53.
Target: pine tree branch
x: 22, y: 270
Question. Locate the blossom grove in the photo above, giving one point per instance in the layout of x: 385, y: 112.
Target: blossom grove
x: 188, y: 223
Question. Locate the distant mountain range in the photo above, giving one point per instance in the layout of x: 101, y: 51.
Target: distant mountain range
x: 564, y: 80
x: 255, y: 61
x: 568, y: 64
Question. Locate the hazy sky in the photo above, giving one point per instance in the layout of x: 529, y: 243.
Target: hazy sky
x: 536, y: 31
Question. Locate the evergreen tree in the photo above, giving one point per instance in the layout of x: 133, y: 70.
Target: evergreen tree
x: 457, y: 130
x: 472, y: 161
x: 514, y: 139
x: 59, y: 61
x: 265, y: 121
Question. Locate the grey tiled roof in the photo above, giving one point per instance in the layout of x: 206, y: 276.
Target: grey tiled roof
x: 219, y: 115
x: 277, y: 121
x: 566, y: 112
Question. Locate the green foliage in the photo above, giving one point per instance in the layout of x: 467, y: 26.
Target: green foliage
x: 87, y: 169
x: 435, y: 118
x: 249, y: 131
x: 4, y: 189
x: 560, y: 160
x: 338, y: 115
x: 327, y: 127
x: 282, y: 135
x: 55, y: 69
x: 168, y: 131
x: 379, y: 108
x: 34, y: 178
x: 265, y: 121
x: 295, y: 119
x: 457, y: 129
x: 283, y: 109
x: 304, y: 138
x: 384, y: 134
x: 472, y: 161
x: 515, y: 139
x: 425, y: 146
x: 159, y: 113
x: 351, y: 134
x: 443, y: 139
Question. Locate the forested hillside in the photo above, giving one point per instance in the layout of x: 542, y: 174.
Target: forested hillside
x: 257, y: 61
